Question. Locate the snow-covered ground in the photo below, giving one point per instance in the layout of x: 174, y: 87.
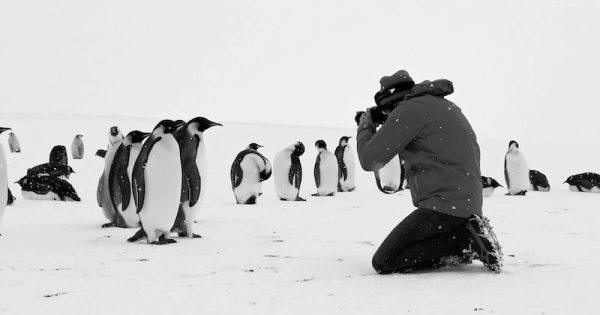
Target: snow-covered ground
x: 287, y: 257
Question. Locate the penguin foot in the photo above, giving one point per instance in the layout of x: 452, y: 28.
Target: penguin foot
x: 300, y: 199
x: 137, y: 236
x: 251, y: 200
x: 522, y: 193
x: 163, y: 240
x: 260, y: 194
x: 196, y: 235
x: 110, y: 224
x: 314, y: 195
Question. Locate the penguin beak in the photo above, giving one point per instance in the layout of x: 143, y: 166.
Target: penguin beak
x: 3, y: 129
x: 212, y: 124
x: 258, y: 145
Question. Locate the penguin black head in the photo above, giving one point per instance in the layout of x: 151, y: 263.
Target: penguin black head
x: 168, y: 125
x: 79, y: 135
x: 137, y: 136
x: 344, y: 140
x: 320, y: 144
x: 3, y: 129
x: 254, y: 146
x: 299, y: 148
x: 101, y: 153
x: 513, y: 142
x: 203, y: 123
x: 114, y: 131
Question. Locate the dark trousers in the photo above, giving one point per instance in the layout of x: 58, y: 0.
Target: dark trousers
x: 420, y: 241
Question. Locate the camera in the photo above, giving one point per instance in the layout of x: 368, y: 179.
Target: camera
x: 378, y: 115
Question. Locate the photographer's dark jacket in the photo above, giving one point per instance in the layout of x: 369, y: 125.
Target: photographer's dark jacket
x: 438, y: 147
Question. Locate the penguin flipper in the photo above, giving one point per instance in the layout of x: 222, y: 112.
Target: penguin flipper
x: 295, y: 174
x: 194, y: 181
x: 137, y: 175
x: 237, y: 174
x: 343, y: 170
x: 118, y: 180
x: 99, y: 190
x: 318, y: 171
x: 506, y: 175
x: 266, y: 173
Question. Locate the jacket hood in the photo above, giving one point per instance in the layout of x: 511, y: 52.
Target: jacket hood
x: 438, y: 88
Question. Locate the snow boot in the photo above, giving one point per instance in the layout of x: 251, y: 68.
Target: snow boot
x: 483, y: 243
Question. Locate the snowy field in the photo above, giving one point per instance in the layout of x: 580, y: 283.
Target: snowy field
x: 287, y: 257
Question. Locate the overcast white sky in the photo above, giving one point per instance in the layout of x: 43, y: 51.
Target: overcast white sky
x: 521, y: 69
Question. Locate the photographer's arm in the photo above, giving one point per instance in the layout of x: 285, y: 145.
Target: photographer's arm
x: 375, y: 148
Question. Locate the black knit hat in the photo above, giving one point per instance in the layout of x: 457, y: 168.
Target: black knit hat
x: 399, y: 80
x: 394, y: 88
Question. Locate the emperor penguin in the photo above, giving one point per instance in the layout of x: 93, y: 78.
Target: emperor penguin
x: 157, y: 177
x: 114, y: 217
x: 52, y: 170
x: 287, y: 171
x: 489, y: 184
x: 3, y: 177
x: 345, y: 160
x: 326, y: 170
x: 58, y: 155
x: 47, y: 188
x: 516, y: 170
x: 114, y: 136
x: 119, y: 178
x: 248, y: 171
x: 190, y: 137
x: 13, y: 143
x: 584, y: 182
x: 538, y: 181
x: 77, y: 147
x: 389, y: 178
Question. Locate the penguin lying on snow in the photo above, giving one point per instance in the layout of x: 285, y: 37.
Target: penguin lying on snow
x: 248, y: 171
x: 51, y: 169
x: 47, y: 188
x: 326, y: 171
x: 287, y: 171
x: 516, y: 170
x: 345, y: 159
x: 489, y: 185
x: 538, y: 181
x: 585, y: 182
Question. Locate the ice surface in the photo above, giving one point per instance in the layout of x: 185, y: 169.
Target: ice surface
x: 286, y: 257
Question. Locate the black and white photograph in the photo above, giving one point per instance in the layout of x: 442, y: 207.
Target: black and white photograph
x: 299, y: 157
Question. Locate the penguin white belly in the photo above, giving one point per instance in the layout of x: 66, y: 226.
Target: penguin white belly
x: 203, y: 170
x: 30, y: 195
x: 593, y: 190
x: 488, y: 191
x: 130, y: 216
x: 3, y: 182
x: 518, y: 173
x: 389, y: 174
x: 328, y: 173
x: 162, y: 195
x: 348, y: 184
x: 107, y: 206
x: 281, y: 170
x: 250, y: 185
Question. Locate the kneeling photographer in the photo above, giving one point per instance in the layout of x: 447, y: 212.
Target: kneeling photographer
x: 439, y: 150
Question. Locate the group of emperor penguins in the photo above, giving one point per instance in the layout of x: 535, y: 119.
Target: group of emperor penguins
x: 154, y: 180
x: 333, y: 172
